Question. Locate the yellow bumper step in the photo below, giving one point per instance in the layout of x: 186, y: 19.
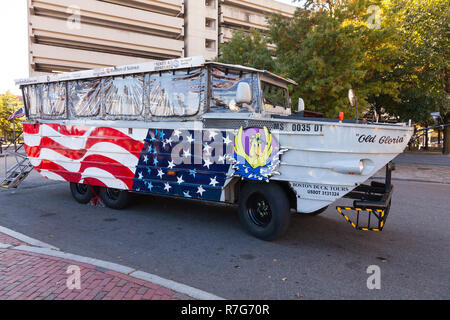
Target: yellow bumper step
x: 365, y: 219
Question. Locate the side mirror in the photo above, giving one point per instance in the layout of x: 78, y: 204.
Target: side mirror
x: 352, y: 98
x: 244, y: 93
x: 301, y: 105
x: 353, y: 101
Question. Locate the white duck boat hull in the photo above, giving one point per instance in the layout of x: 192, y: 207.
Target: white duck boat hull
x: 323, y: 166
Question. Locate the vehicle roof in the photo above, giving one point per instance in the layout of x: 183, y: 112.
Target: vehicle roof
x: 164, y: 65
x: 250, y: 69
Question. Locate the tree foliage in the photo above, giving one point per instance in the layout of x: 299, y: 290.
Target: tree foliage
x: 249, y: 49
x: 8, y: 104
x: 395, y: 57
x: 328, y: 48
x: 423, y: 66
x: 423, y: 38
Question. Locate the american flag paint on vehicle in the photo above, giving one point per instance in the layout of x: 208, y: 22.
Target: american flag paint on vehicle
x: 163, y: 161
x: 98, y: 156
x: 170, y: 165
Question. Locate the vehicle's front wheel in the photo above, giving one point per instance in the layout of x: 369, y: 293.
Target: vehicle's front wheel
x: 82, y: 193
x: 114, y: 198
x: 264, y: 210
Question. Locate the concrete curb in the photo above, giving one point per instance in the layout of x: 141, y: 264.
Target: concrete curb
x: 175, y: 286
x: 141, y: 275
x: 69, y: 256
x: 5, y: 246
x: 26, y: 239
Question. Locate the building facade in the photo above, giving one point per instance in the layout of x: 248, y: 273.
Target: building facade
x: 71, y: 35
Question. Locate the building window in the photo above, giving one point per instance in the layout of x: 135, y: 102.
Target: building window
x: 210, y: 44
x: 210, y: 4
x: 210, y: 23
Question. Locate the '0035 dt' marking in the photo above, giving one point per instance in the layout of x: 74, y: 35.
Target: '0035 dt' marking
x: 299, y: 127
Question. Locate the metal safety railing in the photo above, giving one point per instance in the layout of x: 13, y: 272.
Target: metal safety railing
x: 15, y: 173
x: 423, y: 135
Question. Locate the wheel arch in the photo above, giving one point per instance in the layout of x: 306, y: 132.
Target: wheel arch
x: 240, y: 183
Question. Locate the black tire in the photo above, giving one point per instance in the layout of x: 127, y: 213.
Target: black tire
x: 264, y: 210
x: 114, y: 198
x: 315, y: 213
x: 82, y: 193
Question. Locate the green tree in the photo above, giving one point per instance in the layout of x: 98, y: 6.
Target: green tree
x: 393, y: 53
x: 249, y: 49
x: 329, y: 48
x: 416, y: 57
x: 8, y: 103
x: 423, y: 36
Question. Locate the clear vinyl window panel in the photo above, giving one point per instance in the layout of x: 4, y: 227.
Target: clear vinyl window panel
x: 124, y: 95
x: 53, y: 99
x: 275, y: 95
x: 224, y: 84
x: 176, y: 93
x: 32, y: 95
x: 85, y: 97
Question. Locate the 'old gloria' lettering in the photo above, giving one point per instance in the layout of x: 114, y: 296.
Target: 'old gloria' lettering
x: 382, y: 140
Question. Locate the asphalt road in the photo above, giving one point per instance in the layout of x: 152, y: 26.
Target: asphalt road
x: 205, y: 247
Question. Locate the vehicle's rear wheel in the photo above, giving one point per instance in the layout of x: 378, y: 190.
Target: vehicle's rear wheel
x: 82, y: 193
x: 114, y: 198
x: 264, y: 210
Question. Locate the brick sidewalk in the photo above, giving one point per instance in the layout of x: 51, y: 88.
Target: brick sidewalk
x: 31, y: 276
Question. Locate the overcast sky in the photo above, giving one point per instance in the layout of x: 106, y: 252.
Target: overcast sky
x: 14, y: 45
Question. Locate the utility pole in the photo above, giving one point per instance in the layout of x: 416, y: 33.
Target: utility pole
x: 14, y: 129
x: 14, y: 126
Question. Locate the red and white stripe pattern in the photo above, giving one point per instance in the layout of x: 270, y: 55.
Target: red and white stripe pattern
x: 98, y: 156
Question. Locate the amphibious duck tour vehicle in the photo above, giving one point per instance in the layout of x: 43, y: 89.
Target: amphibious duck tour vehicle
x: 206, y: 131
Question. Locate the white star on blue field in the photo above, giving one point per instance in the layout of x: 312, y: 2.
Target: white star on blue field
x: 158, y: 172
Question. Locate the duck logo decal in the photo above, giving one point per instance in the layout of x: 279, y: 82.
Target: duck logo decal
x: 256, y: 154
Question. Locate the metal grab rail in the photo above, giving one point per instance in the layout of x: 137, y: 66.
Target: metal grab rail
x: 441, y: 126
x: 14, y: 142
x: 18, y: 171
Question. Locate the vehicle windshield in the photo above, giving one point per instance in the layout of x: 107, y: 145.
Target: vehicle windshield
x: 274, y: 95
